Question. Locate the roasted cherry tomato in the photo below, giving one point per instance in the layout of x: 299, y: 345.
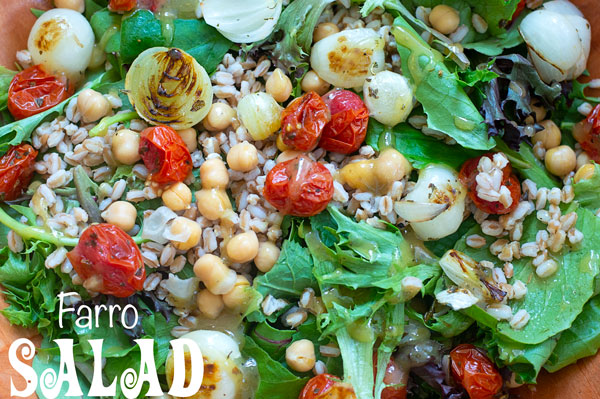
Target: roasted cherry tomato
x: 165, y: 155
x: 122, y: 5
x: 109, y: 261
x: 16, y: 171
x: 327, y: 386
x: 587, y: 133
x: 32, y: 91
x: 472, y: 369
x: 467, y: 176
x: 394, y: 376
x: 347, y: 128
x: 303, y: 120
x: 299, y: 187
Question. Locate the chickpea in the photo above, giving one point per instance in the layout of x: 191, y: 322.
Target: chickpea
x: 279, y: 86
x: 287, y: 155
x: 219, y: 117
x: 560, y: 160
x: 359, y: 175
x: 540, y: 111
x: 583, y: 159
x: 391, y: 166
x: 92, y: 105
x: 212, y: 203
x: 313, y: 82
x: 242, y: 157
x: 323, y: 30
x: 177, y: 197
x: 125, y: 146
x: 122, y: 214
x: 549, y: 137
x: 585, y: 172
x: 267, y: 256
x: 98, y: 57
x: 281, y: 146
x: 186, y: 228
x: 243, y: 247
x: 189, y: 137
x: 216, y: 276
x: 209, y: 304
x: 236, y: 299
x: 300, y: 355
x: 444, y: 19
x: 213, y: 174
x: 75, y: 5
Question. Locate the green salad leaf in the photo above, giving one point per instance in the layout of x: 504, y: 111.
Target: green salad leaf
x: 565, y: 292
x: 525, y: 361
x: 291, y: 274
x: 586, y: 191
x: 579, y: 341
x: 417, y: 147
x: 527, y: 165
x: 297, y: 22
x: 209, y: 51
x: 6, y: 76
x: 448, y: 108
x: 497, y: 13
x: 276, y: 381
x: 495, y: 45
x: 140, y: 31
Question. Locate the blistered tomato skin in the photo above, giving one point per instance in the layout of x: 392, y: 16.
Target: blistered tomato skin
x: 122, y: 5
x: 587, y: 133
x: 108, y: 255
x: 32, y: 91
x: 348, y: 126
x: 327, y: 386
x: 165, y: 155
x: 299, y: 187
x: 472, y: 369
x: 16, y: 171
x: 303, y: 121
x: 467, y: 175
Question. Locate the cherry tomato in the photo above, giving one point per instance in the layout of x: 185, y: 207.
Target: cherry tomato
x: 16, y: 171
x: 587, y: 133
x: 395, y: 376
x: 472, y: 369
x: 165, y: 154
x: 348, y: 126
x: 32, y: 91
x: 467, y: 175
x: 122, y: 5
x: 303, y: 120
x: 299, y: 187
x: 109, y: 256
x: 327, y: 386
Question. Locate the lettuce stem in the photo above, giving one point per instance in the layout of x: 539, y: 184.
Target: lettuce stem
x: 36, y: 233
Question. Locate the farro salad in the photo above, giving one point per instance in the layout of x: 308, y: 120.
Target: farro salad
x: 334, y: 199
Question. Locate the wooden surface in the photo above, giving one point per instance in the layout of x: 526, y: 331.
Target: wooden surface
x: 579, y: 381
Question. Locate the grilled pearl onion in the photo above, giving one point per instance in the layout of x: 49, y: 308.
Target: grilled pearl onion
x: 439, y: 184
x: 223, y: 377
x: 347, y: 58
x: 169, y: 87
